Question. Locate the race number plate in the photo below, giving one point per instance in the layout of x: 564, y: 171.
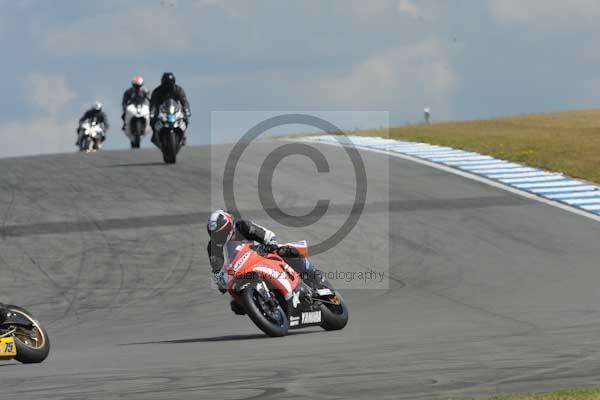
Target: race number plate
x: 7, y: 348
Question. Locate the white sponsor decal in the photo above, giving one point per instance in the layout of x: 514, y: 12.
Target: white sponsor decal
x: 241, y: 262
x: 296, y: 299
x: 325, y: 292
x: 294, y: 321
x: 279, y: 276
x: 311, y: 317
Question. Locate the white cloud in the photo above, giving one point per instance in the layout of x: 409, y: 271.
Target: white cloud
x: 37, y: 136
x: 133, y: 31
x: 402, y: 77
x: 544, y: 13
x: 50, y: 128
x: 50, y: 93
x: 409, y: 8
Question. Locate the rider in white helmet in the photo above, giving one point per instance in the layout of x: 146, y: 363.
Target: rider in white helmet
x: 137, y: 89
x: 94, y: 112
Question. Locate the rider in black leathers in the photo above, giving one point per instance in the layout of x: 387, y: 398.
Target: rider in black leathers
x: 168, y: 89
x: 222, y: 227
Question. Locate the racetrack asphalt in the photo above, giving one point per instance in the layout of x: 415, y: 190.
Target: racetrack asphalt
x: 484, y: 291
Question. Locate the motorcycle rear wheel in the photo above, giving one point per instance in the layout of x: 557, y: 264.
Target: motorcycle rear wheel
x: 334, y: 316
x: 31, y: 348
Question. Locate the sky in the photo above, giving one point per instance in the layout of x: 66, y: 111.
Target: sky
x: 464, y: 59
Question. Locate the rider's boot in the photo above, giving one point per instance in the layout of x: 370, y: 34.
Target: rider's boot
x: 237, y: 308
x: 315, y: 278
x: 3, y: 313
x: 306, y: 291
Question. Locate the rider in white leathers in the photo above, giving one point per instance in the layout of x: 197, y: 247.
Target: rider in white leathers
x: 102, y: 120
x: 137, y: 89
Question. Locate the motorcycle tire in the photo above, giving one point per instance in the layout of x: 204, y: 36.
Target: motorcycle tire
x: 27, y: 353
x: 84, y: 144
x: 135, y: 143
x: 169, y: 148
x: 250, y: 299
x: 334, y: 316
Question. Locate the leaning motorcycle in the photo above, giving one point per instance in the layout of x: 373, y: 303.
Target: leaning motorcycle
x: 137, y: 120
x: 170, y: 129
x: 269, y: 291
x: 22, y: 337
x: 91, y: 135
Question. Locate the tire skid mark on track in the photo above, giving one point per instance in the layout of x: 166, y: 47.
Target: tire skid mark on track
x: 197, y: 218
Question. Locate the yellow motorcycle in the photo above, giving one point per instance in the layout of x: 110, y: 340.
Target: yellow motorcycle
x: 22, y: 337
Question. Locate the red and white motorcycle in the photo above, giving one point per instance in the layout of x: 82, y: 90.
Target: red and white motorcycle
x: 269, y: 291
x: 137, y: 120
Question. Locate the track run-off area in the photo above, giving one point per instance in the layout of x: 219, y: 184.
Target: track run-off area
x: 482, y: 291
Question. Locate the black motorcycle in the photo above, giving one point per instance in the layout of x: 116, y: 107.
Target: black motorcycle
x: 170, y: 127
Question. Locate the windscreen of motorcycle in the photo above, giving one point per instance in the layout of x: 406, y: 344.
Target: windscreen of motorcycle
x: 230, y: 251
x: 170, y: 108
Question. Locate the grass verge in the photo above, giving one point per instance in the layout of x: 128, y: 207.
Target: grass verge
x: 572, y: 394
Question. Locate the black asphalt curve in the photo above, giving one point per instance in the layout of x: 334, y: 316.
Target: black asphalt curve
x: 482, y: 292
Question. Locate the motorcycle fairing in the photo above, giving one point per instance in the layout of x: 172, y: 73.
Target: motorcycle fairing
x: 8, y: 349
x: 247, y: 264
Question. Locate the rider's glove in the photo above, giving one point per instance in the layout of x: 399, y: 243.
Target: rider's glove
x: 221, y: 281
x: 288, y: 252
x: 270, y: 248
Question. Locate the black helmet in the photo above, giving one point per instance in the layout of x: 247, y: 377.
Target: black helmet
x: 168, y: 79
x: 220, y: 227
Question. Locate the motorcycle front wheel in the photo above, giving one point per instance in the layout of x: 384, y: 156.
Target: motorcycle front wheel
x: 265, y: 311
x: 169, y: 148
x: 135, y: 143
x: 84, y: 144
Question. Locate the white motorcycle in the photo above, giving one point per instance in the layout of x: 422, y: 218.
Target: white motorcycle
x: 91, y: 134
x: 137, y: 120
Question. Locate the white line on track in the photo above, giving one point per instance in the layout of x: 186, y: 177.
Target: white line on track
x: 543, y: 191
x: 582, y: 201
x: 492, y: 171
x: 541, y: 177
x: 553, y: 184
x: 461, y: 158
x: 574, y: 195
x: 515, y: 175
x: 592, y: 208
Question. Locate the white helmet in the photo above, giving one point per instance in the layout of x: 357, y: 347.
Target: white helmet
x: 97, y: 106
